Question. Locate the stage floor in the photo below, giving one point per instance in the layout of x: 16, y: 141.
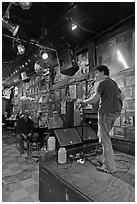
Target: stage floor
x: 95, y: 185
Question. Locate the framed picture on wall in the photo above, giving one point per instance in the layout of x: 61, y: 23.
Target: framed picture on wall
x: 57, y: 94
x: 63, y: 93
x: 127, y: 121
x: 83, y: 89
x: 72, y: 91
x: 79, y: 91
x: 83, y: 63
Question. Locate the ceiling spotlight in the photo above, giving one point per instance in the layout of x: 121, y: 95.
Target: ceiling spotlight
x: 21, y: 49
x: 74, y: 26
x: 10, y: 26
x: 25, y: 5
x: 45, y: 56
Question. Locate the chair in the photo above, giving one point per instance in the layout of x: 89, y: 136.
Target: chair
x: 32, y: 144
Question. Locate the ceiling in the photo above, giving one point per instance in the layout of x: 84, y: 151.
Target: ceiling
x: 48, y: 24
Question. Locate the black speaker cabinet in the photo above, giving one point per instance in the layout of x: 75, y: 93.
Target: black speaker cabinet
x: 67, y: 136
x: 68, y: 65
x: 88, y: 133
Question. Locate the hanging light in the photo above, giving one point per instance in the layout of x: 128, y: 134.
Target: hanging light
x: 45, y: 56
x: 21, y: 49
x: 19, y: 46
x: 10, y: 26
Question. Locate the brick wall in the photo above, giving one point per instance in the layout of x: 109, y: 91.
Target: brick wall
x: 121, y: 41
x: 125, y: 124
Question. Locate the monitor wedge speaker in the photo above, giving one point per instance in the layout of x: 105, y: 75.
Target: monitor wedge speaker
x: 67, y: 136
x: 88, y: 133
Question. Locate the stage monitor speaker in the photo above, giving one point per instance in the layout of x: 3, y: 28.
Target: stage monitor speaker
x: 88, y: 133
x: 68, y: 64
x: 67, y: 136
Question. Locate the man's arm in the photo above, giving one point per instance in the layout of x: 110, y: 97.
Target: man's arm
x: 92, y: 99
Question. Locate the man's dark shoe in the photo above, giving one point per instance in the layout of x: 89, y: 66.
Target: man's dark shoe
x: 102, y: 169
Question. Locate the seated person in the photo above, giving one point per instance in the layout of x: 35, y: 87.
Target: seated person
x: 4, y: 117
x: 4, y: 120
x: 55, y: 121
x: 43, y: 120
x: 24, y: 130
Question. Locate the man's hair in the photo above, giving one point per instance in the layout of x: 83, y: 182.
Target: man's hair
x: 104, y: 68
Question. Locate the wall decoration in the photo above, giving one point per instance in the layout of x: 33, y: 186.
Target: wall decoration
x: 63, y: 107
x: 83, y: 89
x: 57, y: 94
x: 79, y: 91
x: 120, y: 131
x: 126, y: 120
x: 83, y: 62
x: 72, y: 91
x: 57, y: 77
x: 63, y: 93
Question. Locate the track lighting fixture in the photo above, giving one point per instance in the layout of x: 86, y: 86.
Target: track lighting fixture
x: 10, y: 26
x: 5, y: 20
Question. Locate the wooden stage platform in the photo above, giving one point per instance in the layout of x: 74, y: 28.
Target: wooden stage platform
x: 76, y: 182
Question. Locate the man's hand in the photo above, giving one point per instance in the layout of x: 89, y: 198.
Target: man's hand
x: 80, y: 101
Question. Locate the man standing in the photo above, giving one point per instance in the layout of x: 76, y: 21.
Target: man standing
x: 110, y: 104
x: 24, y: 130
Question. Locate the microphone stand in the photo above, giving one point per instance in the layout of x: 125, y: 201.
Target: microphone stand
x: 82, y: 136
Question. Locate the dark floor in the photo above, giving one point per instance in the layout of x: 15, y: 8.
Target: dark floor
x: 20, y: 179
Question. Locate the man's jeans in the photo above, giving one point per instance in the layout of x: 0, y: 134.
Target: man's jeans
x: 105, y: 123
